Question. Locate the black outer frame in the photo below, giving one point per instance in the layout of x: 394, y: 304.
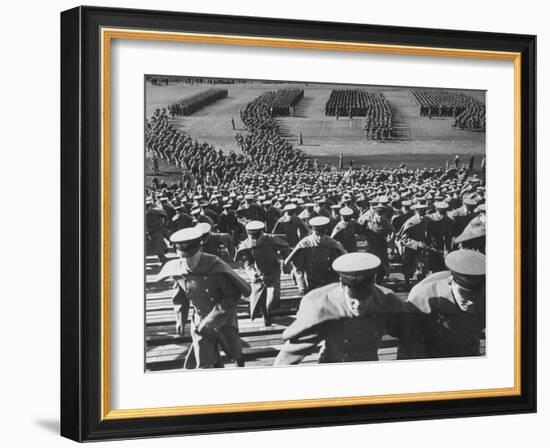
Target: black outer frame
x: 81, y: 214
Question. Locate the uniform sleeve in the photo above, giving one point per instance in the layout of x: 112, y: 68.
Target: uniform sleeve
x: 284, y: 251
x: 245, y: 257
x: 303, y: 231
x: 296, y: 349
x: 389, y: 226
x: 339, y: 249
x: 412, y: 344
x: 276, y: 227
x: 227, y: 241
x: 181, y: 308
x: 408, y: 241
x: 299, y: 260
x: 449, y: 235
x: 399, y: 320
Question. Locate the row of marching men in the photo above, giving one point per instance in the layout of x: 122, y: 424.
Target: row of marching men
x: 344, y: 309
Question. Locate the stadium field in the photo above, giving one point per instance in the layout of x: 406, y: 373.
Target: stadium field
x: 418, y: 141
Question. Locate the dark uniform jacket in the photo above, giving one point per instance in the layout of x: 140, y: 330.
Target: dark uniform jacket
x: 473, y: 236
x: 461, y: 217
x: 156, y: 231
x: 228, y: 223
x: 324, y: 316
x: 293, y: 229
x: 439, y: 240
x: 412, y: 233
x: 253, y: 212
x: 442, y: 329
x: 346, y: 234
x: 377, y: 229
x: 398, y: 220
x: 261, y: 262
x: 180, y: 221
x: 439, y: 232
x: 313, y: 259
x: 212, y: 242
x: 272, y: 216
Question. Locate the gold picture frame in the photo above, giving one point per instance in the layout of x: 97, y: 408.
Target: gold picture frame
x: 106, y: 31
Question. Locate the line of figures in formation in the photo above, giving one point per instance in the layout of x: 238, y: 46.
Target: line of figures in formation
x: 358, y: 102
x: 188, y: 106
x: 467, y: 112
x: 282, y: 102
x: 310, y: 225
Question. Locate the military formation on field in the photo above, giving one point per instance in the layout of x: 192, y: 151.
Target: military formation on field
x: 473, y: 118
x: 282, y: 102
x: 188, y: 106
x: 267, y: 150
x: 362, y: 103
x: 467, y: 112
x: 198, y: 160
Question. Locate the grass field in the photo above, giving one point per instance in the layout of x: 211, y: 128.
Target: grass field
x: 419, y: 141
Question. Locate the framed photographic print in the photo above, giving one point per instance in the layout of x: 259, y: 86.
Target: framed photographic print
x: 275, y: 224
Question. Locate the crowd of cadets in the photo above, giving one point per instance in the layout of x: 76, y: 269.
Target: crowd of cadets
x: 304, y: 223
x: 357, y: 102
x: 190, y: 105
x: 419, y: 215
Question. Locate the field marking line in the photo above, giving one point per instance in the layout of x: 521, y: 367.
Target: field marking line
x: 323, y: 127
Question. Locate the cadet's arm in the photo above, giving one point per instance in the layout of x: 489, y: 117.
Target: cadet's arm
x: 409, y: 242
x: 181, y: 307
x: 412, y: 329
x: 296, y: 349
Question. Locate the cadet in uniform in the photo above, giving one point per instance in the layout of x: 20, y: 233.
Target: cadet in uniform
x: 181, y: 219
x: 377, y: 229
x: 260, y: 255
x: 439, y: 237
x: 211, y: 241
x: 212, y: 289
x: 290, y: 225
x: 400, y: 218
x: 313, y: 256
x: 228, y: 223
x: 346, y: 230
x: 473, y: 236
x: 350, y: 316
x: 308, y: 212
x: 156, y: 232
x: 463, y: 215
x: 272, y: 214
x: 412, y: 240
x: 251, y: 210
x: 448, y: 309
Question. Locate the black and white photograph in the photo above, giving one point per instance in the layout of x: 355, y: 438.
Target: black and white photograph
x: 291, y: 223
